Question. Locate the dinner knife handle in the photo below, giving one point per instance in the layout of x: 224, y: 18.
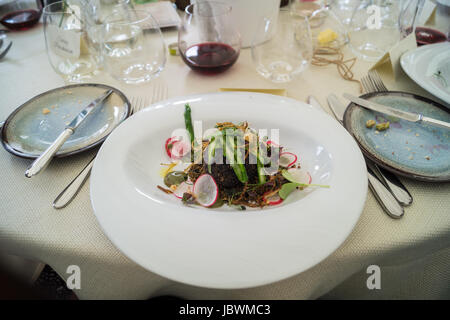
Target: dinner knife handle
x: 436, y: 122
x: 44, y: 159
x: 69, y: 193
x: 391, y: 181
x: 385, y: 197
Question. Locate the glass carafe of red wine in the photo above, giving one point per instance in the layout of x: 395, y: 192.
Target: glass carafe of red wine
x: 413, y: 17
x: 208, y: 40
x: 21, y: 14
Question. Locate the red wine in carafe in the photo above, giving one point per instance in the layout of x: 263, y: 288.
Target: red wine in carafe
x: 20, y: 20
x: 210, y: 57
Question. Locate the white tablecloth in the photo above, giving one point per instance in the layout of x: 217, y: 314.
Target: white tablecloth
x: 413, y: 253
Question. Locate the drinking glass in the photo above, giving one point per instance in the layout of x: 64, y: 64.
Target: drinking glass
x: 369, y: 39
x: 344, y: 9
x: 208, y: 39
x: 133, y: 46
x: 66, y: 39
x: 314, y: 10
x: 287, y: 48
x: 412, y: 17
x: 20, y: 14
x: 326, y: 28
x: 95, y: 13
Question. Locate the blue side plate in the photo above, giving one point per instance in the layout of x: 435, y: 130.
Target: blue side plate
x: 413, y: 150
x: 32, y: 127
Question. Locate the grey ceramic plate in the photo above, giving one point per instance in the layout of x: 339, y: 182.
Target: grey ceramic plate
x: 416, y: 151
x: 32, y: 127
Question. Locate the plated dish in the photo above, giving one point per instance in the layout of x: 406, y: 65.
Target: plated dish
x: 224, y: 247
x: 413, y: 150
x: 35, y: 125
x: 429, y: 67
x: 232, y: 164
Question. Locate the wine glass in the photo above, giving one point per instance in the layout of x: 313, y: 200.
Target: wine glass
x: 20, y: 14
x: 412, y: 19
x: 370, y: 38
x: 66, y: 41
x: 287, y: 48
x: 208, y: 40
x: 133, y: 47
x: 314, y: 10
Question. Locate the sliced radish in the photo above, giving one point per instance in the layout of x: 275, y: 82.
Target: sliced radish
x: 182, y: 189
x: 169, y: 144
x: 300, y: 176
x: 287, y: 159
x: 273, y: 199
x: 179, y: 149
x: 206, y: 190
x: 271, y: 143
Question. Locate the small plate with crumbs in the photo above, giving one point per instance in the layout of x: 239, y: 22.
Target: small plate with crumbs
x: 414, y: 150
x: 35, y: 125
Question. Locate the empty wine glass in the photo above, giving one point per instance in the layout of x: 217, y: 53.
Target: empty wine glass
x: 66, y: 39
x: 287, y: 48
x: 133, y: 46
x: 208, y: 40
x: 314, y: 10
x: 374, y: 29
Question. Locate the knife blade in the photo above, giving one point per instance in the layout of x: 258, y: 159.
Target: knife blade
x: 44, y: 159
x: 390, y: 180
x: 408, y: 116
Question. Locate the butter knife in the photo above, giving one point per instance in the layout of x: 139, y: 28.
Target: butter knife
x: 380, y: 191
x: 390, y: 180
x: 408, y: 116
x: 44, y: 159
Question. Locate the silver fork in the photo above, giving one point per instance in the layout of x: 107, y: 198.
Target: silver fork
x: 373, y: 83
x: 69, y: 193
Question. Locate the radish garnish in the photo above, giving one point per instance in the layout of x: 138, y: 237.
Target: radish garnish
x: 176, y: 149
x: 168, y: 146
x: 206, y: 190
x: 300, y: 176
x: 179, y: 149
x: 182, y: 189
x: 272, y: 199
x: 272, y: 143
x: 287, y: 159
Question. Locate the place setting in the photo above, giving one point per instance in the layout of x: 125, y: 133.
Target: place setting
x: 228, y: 152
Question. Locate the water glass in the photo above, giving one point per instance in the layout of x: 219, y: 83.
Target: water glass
x: 66, y: 41
x: 95, y: 14
x: 314, y: 10
x: 371, y: 34
x: 287, y: 48
x: 133, y: 46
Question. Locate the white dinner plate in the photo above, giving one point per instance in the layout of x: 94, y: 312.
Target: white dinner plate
x: 423, y: 65
x: 222, y: 248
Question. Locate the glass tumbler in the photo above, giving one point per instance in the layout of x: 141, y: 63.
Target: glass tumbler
x: 66, y: 39
x: 208, y: 39
x: 133, y: 47
x: 287, y: 48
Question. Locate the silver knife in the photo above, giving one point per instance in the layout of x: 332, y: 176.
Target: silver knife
x: 382, y: 194
x: 408, y: 116
x: 44, y: 159
x: 391, y: 181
